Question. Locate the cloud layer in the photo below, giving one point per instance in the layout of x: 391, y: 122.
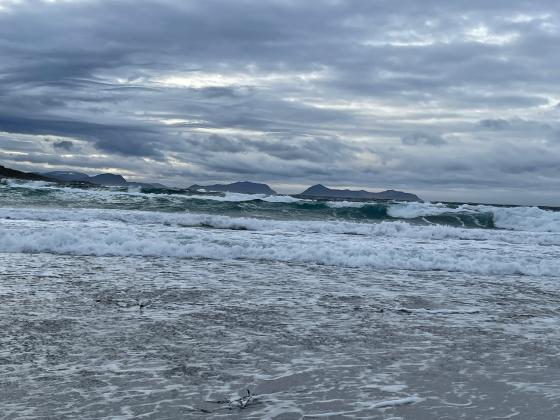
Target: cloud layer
x: 453, y: 100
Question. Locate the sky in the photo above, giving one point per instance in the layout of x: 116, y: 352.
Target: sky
x: 455, y: 100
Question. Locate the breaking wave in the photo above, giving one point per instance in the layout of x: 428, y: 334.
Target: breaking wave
x: 158, y: 220
x: 382, y: 252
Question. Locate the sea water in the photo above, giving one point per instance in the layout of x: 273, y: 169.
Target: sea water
x: 153, y: 303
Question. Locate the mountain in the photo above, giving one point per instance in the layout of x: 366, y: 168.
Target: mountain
x: 101, y: 179
x: 68, y: 176
x: 397, y: 195
x: 243, y: 187
x: 12, y: 173
x: 320, y: 191
x: 108, y: 179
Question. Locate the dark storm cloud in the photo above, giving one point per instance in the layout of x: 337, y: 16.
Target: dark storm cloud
x: 113, y: 139
x: 63, y: 145
x: 327, y: 91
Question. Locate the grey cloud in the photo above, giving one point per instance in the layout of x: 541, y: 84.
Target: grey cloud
x: 494, y: 124
x: 311, y: 149
x: 519, y: 125
x: 320, y: 90
x: 64, y: 145
x: 216, y: 143
x: 412, y: 139
x: 323, y: 149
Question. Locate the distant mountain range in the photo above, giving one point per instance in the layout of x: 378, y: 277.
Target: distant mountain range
x: 243, y: 187
x: 67, y: 176
x: 320, y: 191
x: 316, y: 191
x: 12, y: 173
x: 102, y: 179
x: 107, y: 179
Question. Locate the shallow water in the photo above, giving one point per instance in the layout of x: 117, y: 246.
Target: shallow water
x: 134, y: 337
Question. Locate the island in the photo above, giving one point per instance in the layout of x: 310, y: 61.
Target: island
x: 320, y: 191
x: 106, y: 179
x: 15, y: 174
x: 243, y: 187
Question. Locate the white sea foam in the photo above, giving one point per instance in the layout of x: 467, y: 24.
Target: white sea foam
x: 15, y: 183
x: 283, y: 199
x: 238, y: 197
x: 382, y: 229
x: 385, y: 251
x: 525, y: 218
x: 412, y: 210
x: 343, y: 204
x: 134, y: 189
x: 532, y: 219
x: 425, y: 311
x: 397, y: 402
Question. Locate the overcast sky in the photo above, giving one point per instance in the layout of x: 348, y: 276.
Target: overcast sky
x: 452, y: 100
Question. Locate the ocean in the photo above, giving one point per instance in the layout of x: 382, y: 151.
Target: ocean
x: 129, y: 303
